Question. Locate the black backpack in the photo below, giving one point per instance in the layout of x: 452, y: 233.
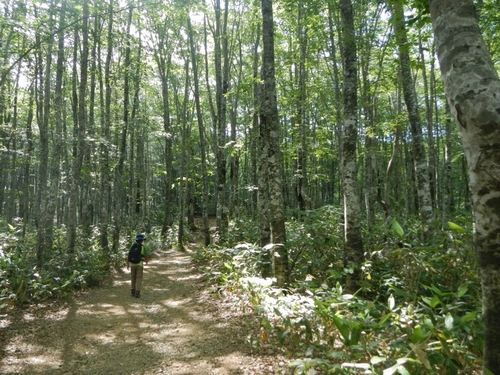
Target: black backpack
x: 134, y: 254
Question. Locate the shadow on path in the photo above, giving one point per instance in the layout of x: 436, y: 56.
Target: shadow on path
x: 171, y: 329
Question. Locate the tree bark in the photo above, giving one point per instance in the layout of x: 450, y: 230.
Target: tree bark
x: 43, y: 222
x: 201, y: 130
x: 222, y: 85
x: 472, y: 88
x: 270, y: 124
x: 352, y: 209
x: 105, y: 208
x: 80, y: 131
x: 410, y: 97
x: 162, y: 57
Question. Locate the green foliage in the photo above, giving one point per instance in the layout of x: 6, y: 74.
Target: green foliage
x: 226, y: 266
x: 315, y: 242
x: 22, y: 281
x: 417, y: 313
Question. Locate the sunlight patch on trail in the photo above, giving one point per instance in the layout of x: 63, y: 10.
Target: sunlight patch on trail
x: 30, y: 357
x: 102, y: 309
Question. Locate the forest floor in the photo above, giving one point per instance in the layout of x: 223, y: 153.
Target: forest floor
x: 179, y: 326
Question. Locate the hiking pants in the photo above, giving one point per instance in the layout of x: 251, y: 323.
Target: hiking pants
x: 136, y: 272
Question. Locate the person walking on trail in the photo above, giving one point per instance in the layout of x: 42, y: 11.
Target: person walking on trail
x: 137, y: 255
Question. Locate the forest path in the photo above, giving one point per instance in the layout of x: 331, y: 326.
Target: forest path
x: 177, y: 328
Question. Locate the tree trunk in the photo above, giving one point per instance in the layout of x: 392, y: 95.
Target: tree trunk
x: 121, y: 191
x: 269, y: 122
x: 430, y: 126
x: 410, y: 97
x: 301, y: 180
x: 80, y: 131
x: 184, y: 165
x: 222, y: 86
x: 58, y: 143
x: 201, y: 130
x: 352, y: 210
x: 336, y: 91
x: 44, y: 226
x: 163, y: 60
x: 472, y: 88
x: 105, y: 207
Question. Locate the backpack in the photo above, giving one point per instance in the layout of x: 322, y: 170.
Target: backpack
x: 134, y: 254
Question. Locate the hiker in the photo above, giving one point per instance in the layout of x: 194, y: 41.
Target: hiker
x: 137, y: 255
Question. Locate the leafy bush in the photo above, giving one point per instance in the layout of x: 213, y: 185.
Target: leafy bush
x: 418, y: 311
x: 22, y: 281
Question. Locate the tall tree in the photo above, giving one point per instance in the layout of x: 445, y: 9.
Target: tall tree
x: 271, y: 134
x: 44, y: 107
x: 163, y: 56
x: 410, y: 97
x: 472, y: 87
x: 352, y: 210
x: 301, y: 178
x: 221, y: 88
x: 121, y: 191
x: 201, y: 130
x: 80, y: 132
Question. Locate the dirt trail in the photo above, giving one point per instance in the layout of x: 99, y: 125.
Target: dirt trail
x: 176, y: 327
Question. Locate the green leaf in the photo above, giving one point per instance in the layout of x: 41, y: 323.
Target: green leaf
x: 342, y: 327
x: 432, y: 302
x: 417, y: 334
x: 468, y: 317
x: 396, y: 227
x: 456, y: 227
x: 385, y: 318
x: 462, y: 291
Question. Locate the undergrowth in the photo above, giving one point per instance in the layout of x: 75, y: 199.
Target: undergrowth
x: 418, y: 311
x: 23, y: 282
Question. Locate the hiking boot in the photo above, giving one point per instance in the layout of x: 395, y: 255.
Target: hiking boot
x: 132, y: 292
x: 137, y: 294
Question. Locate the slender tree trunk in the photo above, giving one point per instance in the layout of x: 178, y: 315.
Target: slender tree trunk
x: 106, y: 133
x: 472, y: 88
x: 336, y: 84
x: 270, y: 124
x: 201, y: 130
x: 27, y: 192
x: 163, y: 60
x: 448, y: 174
x: 11, y: 203
x: 58, y: 137
x: 43, y: 230
x: 429, y: 116
x: 137, y: 156
x: 80, y: 133
x: 261, y: 168
x: 418, y: 148
x: 222, y: 85
x: 184, y: 165
x: 121, y: 192
x: 352, y: 208
x: 301, y: 183
x: 234, y: 161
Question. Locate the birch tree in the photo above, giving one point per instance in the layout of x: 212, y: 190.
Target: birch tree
x: 410, y: 97
x: 352, y: 228
x: 472, y: 88
x: 270, y: 133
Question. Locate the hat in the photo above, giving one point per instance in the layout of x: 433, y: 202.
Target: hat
x: 140, y: 237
